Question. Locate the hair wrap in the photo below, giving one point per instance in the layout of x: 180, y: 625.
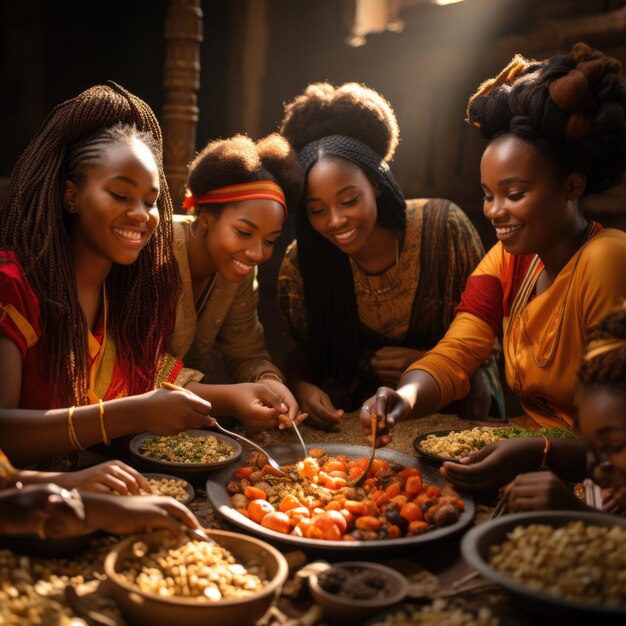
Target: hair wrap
x: 263, y: 189
x: 359, y: 153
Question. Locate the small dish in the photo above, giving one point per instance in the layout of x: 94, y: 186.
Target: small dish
x: 184, y: 470
x: 476, y: 545
x: 190, y: 492
x: 357, y: 577
x: 142, y: 607
x: 429, y: 456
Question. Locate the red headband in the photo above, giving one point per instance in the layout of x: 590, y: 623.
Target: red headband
x: 264, y: 189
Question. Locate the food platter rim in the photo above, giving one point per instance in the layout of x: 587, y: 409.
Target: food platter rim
x: 218, y: 496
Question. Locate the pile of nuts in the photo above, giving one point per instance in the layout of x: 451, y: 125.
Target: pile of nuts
x: 172, y: 487
x: 32, y: 590
x: 197, y: 569
x: 439, y: 614
x: 579, y: 562
x: 457, y: 445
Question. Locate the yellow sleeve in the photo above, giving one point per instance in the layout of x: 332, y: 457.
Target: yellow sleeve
x: 467, y: 344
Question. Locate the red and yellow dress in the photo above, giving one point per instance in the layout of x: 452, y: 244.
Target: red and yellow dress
x: 543, y: 335
x: 20, y: 322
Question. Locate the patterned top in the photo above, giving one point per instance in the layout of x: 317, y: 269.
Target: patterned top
x: 412, y: 303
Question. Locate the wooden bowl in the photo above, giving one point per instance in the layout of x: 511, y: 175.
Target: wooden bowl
x: 146, y: 608
x: 345, y: 610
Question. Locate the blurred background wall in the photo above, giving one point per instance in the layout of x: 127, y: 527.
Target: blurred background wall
x: 427, y: 59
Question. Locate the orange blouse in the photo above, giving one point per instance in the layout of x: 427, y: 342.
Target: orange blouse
x: 543, y: 335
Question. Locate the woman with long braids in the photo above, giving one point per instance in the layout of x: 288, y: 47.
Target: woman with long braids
x: 88, y: 288
x: 372, y: 280
x: 556, y: 131
x: 239, y: 192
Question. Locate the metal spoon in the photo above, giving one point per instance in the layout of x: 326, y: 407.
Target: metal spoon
x: 273, y: 462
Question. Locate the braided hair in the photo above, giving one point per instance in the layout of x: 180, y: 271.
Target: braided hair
x: 225, y: 162
x: 608, y: 368
x: 354, y: 123
x: 571, y: 107
x: 143, y: 296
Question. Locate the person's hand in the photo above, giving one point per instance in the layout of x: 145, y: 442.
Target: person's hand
x: 389, y: 407
x: 108, y: 477
x: 318, y: 406
x: 256, y: 405
x: 390, y: 362
x: 136, y: 514
x: 540, y: 491
x: 282, y: 391
x: 47, y: 510
x: 170, y: 411
x: 494, y: 465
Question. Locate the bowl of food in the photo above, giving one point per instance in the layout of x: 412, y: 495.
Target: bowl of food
x: 168, y: 485
x: 352, y: 591
x: 555, y: 563
x: 403, y: 502
x: 190, y: 454
x: 452, y: 445
x: 158, y: 580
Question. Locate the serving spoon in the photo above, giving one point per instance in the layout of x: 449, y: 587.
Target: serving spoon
x: 271, y: 461
x: 363, y: 476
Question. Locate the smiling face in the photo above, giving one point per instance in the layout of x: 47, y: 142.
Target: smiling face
x: 340, y: 201
x: 115, y: 206
x: 241, y: 236
x: 602, y: 424
x: 528, y: 200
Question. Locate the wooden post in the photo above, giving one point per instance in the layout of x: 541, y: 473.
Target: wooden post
x: 183, y: 37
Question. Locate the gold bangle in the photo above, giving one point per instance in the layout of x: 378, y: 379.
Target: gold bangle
x: 105, y: 439
x: 544, y: 458
x: 70, y: 429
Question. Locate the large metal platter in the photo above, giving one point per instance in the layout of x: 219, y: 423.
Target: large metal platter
x: 219, y: 498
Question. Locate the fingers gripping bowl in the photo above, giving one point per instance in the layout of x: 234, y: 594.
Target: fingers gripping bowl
x: 304, y: 514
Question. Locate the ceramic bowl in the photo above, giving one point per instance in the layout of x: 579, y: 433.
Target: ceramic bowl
x: 476, y: 545
x: 141, y: 607
x: 346, y: 610
x: 187, y: 471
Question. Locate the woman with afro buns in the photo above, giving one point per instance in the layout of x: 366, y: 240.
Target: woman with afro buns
x: 239, y: 192
x: 372, y: 280
x: 556, y: 131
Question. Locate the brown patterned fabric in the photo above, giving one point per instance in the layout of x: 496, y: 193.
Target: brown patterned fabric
x: 411, y: 305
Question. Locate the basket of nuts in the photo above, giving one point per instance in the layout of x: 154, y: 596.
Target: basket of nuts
x: 556, y: 563
x: 158, y: 580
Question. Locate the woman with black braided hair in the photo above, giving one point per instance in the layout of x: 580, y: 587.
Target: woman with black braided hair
x: 88, y: 288
x: 556, y: 131
x: 372, y: 280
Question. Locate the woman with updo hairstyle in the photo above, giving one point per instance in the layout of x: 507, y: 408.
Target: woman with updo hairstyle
x: 239, y: 192
x: 372, y: 280
x: 599, y: 453
x: 556, y: 131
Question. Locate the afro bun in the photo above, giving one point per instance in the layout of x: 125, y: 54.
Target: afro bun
x: 351, y: 109
x: 239, y: 159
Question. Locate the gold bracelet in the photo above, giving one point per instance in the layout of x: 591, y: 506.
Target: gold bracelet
x: 105, y: 439
x: 70, y: 429
x: 544, y: 458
